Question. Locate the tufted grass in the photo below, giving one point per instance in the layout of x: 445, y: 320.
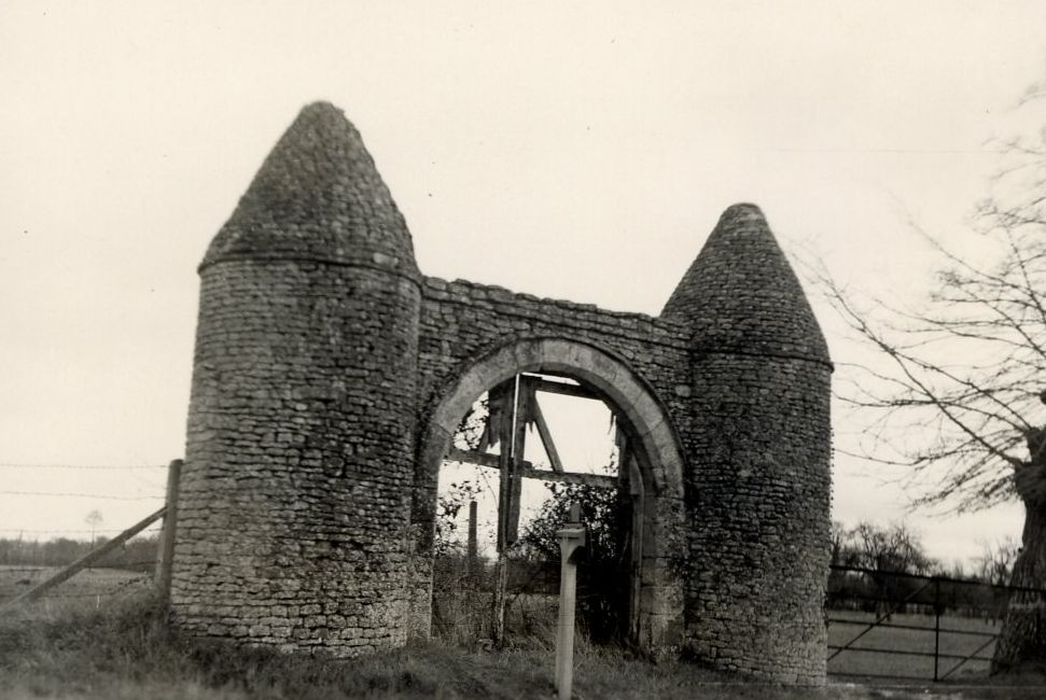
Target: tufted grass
x: 124, y: 650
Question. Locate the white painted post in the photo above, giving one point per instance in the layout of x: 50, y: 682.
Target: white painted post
x: 571, y: 539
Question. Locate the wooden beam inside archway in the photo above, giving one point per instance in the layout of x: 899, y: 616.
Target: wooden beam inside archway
x: 557, y: 365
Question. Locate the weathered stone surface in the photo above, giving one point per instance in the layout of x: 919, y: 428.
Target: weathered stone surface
x: 759, y: 445
x: 329, y: 375
x: 740, y: 294
x: 294, y: 501
x: 318, y: 197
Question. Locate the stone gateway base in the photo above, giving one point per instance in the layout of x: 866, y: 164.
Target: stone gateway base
x: 330, y: 374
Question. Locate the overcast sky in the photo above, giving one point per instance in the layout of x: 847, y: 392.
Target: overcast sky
x: 571, y: 150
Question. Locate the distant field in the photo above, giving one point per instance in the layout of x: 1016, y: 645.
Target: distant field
x: 86, y: 587
x: 915, y: 640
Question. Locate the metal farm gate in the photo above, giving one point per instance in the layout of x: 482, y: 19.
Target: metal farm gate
x: 885, y: 624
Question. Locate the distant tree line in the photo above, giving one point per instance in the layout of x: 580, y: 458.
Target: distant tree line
x: 895, y: 569
x: 139, y: 554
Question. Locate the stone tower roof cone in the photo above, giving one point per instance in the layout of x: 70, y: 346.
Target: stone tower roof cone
x: 741, y: 295
x: 318, y: 196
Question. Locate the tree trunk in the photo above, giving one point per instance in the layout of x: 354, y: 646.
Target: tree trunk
x: 1022, y: 642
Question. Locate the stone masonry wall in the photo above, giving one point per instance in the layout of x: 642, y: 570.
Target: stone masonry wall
x: 760, y: 452
x: 760, y: 491
x: 462, y: 321
x: 294, y: 497
x: 459, y: 320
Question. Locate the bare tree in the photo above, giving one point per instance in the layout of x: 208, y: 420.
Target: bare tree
x: 954, y: 394
x: 843, y: 553
x: 94, y: 519
x: 994, y: 565
x: 893, y: 549
x: 883, y: 552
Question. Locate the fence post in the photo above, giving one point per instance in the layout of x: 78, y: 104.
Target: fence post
x: 936, y: 628
x: 571, y: 539
x: 167, y: 534
x: 472, y: 562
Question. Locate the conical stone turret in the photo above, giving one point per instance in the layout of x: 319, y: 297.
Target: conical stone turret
x: 759, y: 449
x: 293, y: 513
x: 318, y: 196
x: 741, y: 295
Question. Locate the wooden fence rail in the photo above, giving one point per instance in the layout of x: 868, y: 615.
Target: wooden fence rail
x: 83, y: 562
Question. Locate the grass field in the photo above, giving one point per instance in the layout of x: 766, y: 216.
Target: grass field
x: 87, y: 644
x: 123, y: 651
x: 88, y: 587
x: 974, y: 633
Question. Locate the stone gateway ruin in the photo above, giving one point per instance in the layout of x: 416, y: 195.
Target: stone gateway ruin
x: 330, y: 374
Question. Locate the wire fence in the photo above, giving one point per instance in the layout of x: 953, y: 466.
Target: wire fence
x: 32, y: 554
x: 95, y: 583
x: 98, y: 496
x: 40, y: 500
x: 66, y: 531
x: 96, y: 467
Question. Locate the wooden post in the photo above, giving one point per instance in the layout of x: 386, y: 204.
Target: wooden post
x: 628, y: 472
x: 501, y: 400
x: 936, y: 629
x: 571, y: 539
x: 84, y: 561
x: 497, y: 623
x: 505, y: 402
x: 545, y: 434
x: 167, y: 535
x: 473, y: 554
x: 519, y: 445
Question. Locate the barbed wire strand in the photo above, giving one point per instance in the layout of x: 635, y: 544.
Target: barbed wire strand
x: 65, y: 532
x: 100, y: 496
x: 47, y: 567
x: 17, y: 465
x: 135, y: 578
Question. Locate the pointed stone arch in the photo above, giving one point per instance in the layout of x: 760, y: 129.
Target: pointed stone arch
x: 654, y: 441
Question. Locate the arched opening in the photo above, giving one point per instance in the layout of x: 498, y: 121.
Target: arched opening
x: 647, y: 478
